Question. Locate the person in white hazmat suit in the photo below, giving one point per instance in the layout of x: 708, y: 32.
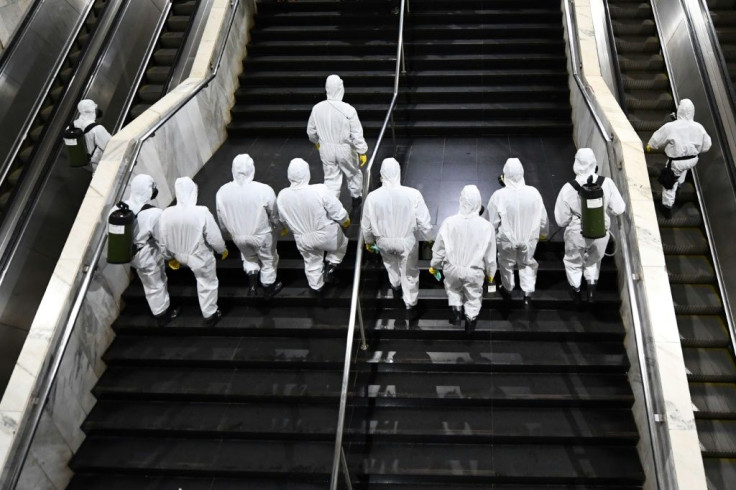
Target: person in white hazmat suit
x: 97, y: 137
x: 188, y: 234
x: 465, y: 250
x: 148, y: 261
x: 314, y: 215
x: 683, y: 140
x: 336, y: 131
x: 519, y: 218
x: 583, y: 256
x: 247, y: 211
x: 392, y: 216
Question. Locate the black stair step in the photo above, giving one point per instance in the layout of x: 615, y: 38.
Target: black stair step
x: 709, y: 364
x: 684, y: 241
x: 158, y: 74
x: 703, y: 330
x: 683, y: 215
x: 702, y: 299
x: 107, y: 481
x: 200, y: 457
x: 717, y: 438
x: 507, y: 463
x: 713, y: 400
x: 693, y: 269
x: 721, y: 472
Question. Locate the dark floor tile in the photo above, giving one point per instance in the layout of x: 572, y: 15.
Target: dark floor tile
x: 493, y: 150
x: 461, y: 151
x: 459, y: 171
x: 449, y: 190
x: 527, y: 149
x: 423, y: 171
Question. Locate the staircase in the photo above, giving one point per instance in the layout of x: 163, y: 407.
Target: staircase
x: 695, y: 291
x: 250, y: 403
x: 473, y: 67
x: 166, y: 54
x: 536, y: 398
x: 723, y: 14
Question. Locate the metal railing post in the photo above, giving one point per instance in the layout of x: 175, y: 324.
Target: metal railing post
x: 344, y: 463
x: 363, y: 343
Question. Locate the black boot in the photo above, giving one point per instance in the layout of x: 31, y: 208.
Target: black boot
x: 505, y: 293
x: 411, y: 313
x: 165, y: 318
x: 211, y: 321
x: 252, y: 283
x: 591, y: 292
x: 470, y: 325
x: 272, y: 290
x: 355, y: 205
x: 329, y: 273
x: 398, y: 293
x: 575, y: 295
x: 456, y: 317
x: 666, y: 211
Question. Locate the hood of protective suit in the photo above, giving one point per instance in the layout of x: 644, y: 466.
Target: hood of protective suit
x: 470, y: 201
x: 243, y: 169
x: 87, y: 107
x: 584, y: 162
x: 334, y: 88
x: 298, y: 173
x: 391, y: 172
x: 686, y: 110
x: 513, y: 173
x: 186, y: 192
x: 141, y: 191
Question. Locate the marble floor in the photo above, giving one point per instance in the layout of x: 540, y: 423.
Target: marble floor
x: 438, y: 167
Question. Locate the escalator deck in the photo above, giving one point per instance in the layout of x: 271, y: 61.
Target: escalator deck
x: 695, y: 291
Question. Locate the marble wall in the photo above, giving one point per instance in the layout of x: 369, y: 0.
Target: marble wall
x: 663, y: 354
x: 11, y: 14
x: 180, y: 147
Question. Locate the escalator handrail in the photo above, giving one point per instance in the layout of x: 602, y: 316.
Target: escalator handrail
x: 180, y: 50
x: 49, y: 371
x: 354, y: 306
x: 614, y: 56
x: 653, y: 402
x: 141, y: 71
x: 53, y: 73
x: 723, y: 139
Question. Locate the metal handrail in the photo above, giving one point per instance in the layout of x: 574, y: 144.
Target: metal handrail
x: 654, y: 410
x: 27, y: 431
x: 338, y: 461
x: 614, y: 56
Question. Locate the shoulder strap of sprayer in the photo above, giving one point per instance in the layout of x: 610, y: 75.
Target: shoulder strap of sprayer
x: 145, y: 206
x: 578, y: 187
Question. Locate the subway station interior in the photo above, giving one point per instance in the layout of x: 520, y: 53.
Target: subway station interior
x: 635, y: 389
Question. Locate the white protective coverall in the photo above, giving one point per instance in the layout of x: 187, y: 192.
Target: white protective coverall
x: 247, y: 210
x: 96, y: 139
x: 312, y: 213
x: 148, y: 262
x: 583, y: 256
x: 518, y: 215
x: 189, y: 234
x: 334, y: 124
x: 680, y: 138
x: 465, y: 250
x: 392, y: 215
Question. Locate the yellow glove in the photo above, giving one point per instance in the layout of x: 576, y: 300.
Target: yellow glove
x: 224, y: 254
x: 371, y: 247
x: 490, y: 279
x: 346, y: 223
x: 649, y: 149
x: 174, y: 264
x: 284, y: 231
x: 437, y: 275
x: 542, y: 238
x: 432, y: 270
x: 316, y: 145
x: 363, y: 160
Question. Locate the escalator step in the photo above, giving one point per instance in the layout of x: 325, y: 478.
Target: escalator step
x: 696, y: 299
x: 65, y: 75
x: 720, y: 472
x: 56, y: 92
x: 639, y: 46
x: 150, y: 93
x: 646, y: 27
x: 713, y: 400
x: 631, y: 12
x: 35, y: 133
x: 138, y: 109
x: 14, y: 175
x: 645, y: 82
x: 703, y: 330
x: 25, y: 154
x: 106, y: 481
x: 694, y: 269
x: 178, y: 23
x: 684, y: 241
x: 685, y: 192
x: 46, y: 113
x: 712, y: 364
x: 717, y: 438
x: 652, y: 63
x: 186, y: 7
x: 685, y: 215
x: 165, y: 56
x: 171, y: 40
x: 158, y: 74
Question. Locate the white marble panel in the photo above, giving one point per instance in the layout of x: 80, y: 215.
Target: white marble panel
x: 690, y: 471
x: 9, y: 421
x: 52, y: 452
x: 33, y: 476
x: 18, y: 393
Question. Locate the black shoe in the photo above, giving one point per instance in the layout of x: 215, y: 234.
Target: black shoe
x: 272, y: 290
x: 329, y: 273
x: 575, y: 295
x: 398, y: 293
x: 470, y: 325
x: 457, y: 315
x: 666, y: 211
x: 411, y: 313
x: 527, y: 300
x: 252, y: 283
x: 165, y: 318
x: 211, y: 321
x: 505, y: 293
x: 357, y: 201
x: 591, y: 292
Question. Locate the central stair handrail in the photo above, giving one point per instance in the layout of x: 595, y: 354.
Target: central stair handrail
x: 654, y: 402
x: 339, y: 461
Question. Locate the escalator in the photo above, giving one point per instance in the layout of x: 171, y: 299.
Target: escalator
x: 705, y: 339
x: 723, y: 14
x: 48, y: 107
x: 166, y: 54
